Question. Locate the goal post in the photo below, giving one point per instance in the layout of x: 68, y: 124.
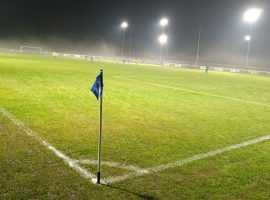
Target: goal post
x: 30, y: 49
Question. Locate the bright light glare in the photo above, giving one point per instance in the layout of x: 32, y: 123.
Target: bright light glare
x: 124, y: 25
x: 252, y: 15
x: 164, y: 22
x: 163, y: 39
x: 247, y: 38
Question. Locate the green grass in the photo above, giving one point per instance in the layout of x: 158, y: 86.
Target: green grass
x: 144, y: 125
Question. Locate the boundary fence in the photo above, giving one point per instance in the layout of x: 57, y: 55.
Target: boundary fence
x: 263, y: 71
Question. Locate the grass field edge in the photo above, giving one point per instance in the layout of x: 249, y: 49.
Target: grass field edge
x: 67, y: 160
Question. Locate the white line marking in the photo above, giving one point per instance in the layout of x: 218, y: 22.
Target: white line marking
x: 138, y: 171
x: 141, y: 76
x: 112, y: 164
x: 70, y: 162
x: 187, y: 160
x: 196, y: 92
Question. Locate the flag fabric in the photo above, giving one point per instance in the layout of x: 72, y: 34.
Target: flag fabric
x: 97, y: 87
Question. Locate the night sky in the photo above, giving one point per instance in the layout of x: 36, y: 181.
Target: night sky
x: 94, y: 27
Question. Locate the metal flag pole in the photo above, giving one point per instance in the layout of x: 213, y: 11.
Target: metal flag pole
x: 100, y: 130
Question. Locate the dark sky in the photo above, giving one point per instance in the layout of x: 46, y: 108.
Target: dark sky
x: 94, y: 26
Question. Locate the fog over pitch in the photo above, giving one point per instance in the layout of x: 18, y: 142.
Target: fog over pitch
x: 94, y: 27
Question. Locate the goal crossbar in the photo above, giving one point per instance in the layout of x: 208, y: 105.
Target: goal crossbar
x: 31, y: 49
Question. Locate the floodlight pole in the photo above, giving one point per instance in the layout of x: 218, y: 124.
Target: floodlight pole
x: 248, y: 48
x: 129, y: 42
x: 163, y: 32
x: 198, y: 48
x: 123, y: 43
x: 161, y: 49
x: 161, y: 52
x: 100, y: 130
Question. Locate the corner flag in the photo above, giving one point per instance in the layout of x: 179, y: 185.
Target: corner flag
x: 97, y: 87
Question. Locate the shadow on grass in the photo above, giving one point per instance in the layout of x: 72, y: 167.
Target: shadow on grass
x: 143, y: 196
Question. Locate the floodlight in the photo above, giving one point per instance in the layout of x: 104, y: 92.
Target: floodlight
x: 124, y: 25
x: 163, y: 39
x: 252, y: 15
x: 163, y: 22
x: 247, y: 38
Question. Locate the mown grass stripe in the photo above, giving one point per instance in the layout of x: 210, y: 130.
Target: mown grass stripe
x: 195, y: 92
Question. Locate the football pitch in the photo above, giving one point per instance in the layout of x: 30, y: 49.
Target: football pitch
x: 168, y: 133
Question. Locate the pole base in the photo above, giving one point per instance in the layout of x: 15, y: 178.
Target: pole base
x: 98, y: 177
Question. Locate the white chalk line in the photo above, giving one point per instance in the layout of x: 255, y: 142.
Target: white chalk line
x: 137, y: 171
x: 70, y: 162
x: 187, y: 160
x: 141, y: 76
x: 112, y: 164
x: 196, y: 92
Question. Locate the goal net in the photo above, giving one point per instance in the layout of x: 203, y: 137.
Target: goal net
x: 29, y: 49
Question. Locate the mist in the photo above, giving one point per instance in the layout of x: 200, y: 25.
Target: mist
x: 216, y: 53
x: 87, y: 27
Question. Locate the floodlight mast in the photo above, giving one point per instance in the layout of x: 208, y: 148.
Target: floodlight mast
x: 162, y: 40
x: 248, y: 47
x: 124, y: 25
x: 198, y: 47
x: 129, y: 45
x: 251, y: 16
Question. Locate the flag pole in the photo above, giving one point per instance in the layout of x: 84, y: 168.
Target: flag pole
x: 100, y: 131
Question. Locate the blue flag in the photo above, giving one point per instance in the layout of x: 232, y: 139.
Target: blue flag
x: 97, y: 88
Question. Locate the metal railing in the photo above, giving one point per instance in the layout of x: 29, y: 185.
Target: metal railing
x: 168, y: 63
